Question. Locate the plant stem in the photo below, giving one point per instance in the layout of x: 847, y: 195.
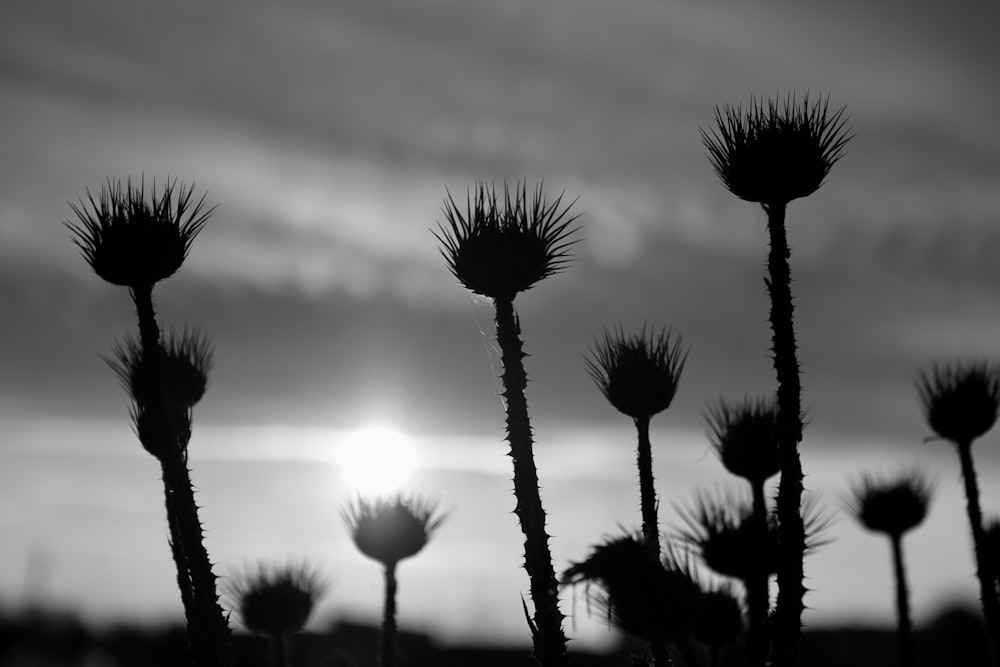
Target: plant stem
x: 208, y: 631
x: 279, y: 650
x: 984, y: 571
x: 548, y: 638
x: 647, y: 491
x: 791, y: 532
x: 907, y: 652
x: 387, y: 638
x: 757, y: 585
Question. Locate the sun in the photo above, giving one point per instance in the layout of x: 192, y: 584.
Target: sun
x: 376, y: 460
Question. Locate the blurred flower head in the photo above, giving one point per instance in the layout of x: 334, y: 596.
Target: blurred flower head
x: 655, y: 601
x: 499, y: 247
x: 960, y: 400
x: 891, y: 505
x: 176, y: 373
x: 637, y: 373
x: 721, y: 530
x: 744, y: 437
x: 774, y: 153
x: 276, y: 600
x: 721, y: 619
x: 391, y: 529
x: 131, y: 241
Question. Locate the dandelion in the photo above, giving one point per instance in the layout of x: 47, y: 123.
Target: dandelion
x: 744, y: 436
x: 276, y: 602
x: 390, y: 530
x: 639, y: 374
x: 497, y: 248
x: 894, y: 506
x: 653, y: 600
x: 960, y: 402
x: 771, y: 154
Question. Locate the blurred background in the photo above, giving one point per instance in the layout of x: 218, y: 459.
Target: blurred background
x: 329, y: 134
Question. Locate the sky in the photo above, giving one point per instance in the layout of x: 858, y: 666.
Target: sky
x: 328, y: 134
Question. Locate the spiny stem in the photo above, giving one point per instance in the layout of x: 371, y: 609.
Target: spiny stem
x: 387, y: 639
x: 209, y: 614
x: 984, y: 571
x: 791, y: 588
x: 907, y: 651
x: 757, y: 586
x: 647, y: 491
x: 548, y: 637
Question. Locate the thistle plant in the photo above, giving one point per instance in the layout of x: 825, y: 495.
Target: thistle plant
x: 770, y: 155
x: 639, y: 374
x: 498, y: 247
x: 657, y: 601
x: 390, y: 530
x: 276, y: 601
x: 894, y: 506
x: 135, y: 242
x: 744, y: 437
x: 960, y: 403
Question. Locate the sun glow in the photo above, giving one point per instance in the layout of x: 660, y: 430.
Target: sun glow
x: 376, y: 460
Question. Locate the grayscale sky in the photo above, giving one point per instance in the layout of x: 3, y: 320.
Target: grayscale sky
x: 328, y: 133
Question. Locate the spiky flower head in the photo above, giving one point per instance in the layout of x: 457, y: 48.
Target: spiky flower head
x: 960, y: 400
x: 649, y: 599
x: 499, y: 246
x: 391, y: 529
x: 131, y: 241
x: 276, y: 600
x: 637, y: 373
x: 176, y: 373
x: 721, y: 620
x: 775, y: 152
x: 721, y: 530
x: 744, y: 436
x: 891, y: 505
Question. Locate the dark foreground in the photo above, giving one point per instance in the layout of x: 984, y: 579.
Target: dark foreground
x: 955, y: 639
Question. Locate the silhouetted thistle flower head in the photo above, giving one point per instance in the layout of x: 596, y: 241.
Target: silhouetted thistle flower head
x: 177, y: 373
x: 721, y: 531
x: 745, y: 438
x: 637, y: 373
x: 960, y: 400
x: 391, y: 529
x: 774, y: 153
x: 131, y: 241
x: 499, y: 247
x: 652, y: 600
x: 276, y: 600
x: 721, y: 620
x: 891, y: 505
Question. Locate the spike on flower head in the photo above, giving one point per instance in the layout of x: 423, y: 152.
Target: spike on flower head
x: 391, y: 529
x: 276, y: 600
x: 892, y: 506
x: 960, y: 400
x: 638, y: 373
x: 649, y: 599
x: 131, y: 241
x: 774, y: 153
x: 499, y: 246
x: 744, y: 437
x: 177, y: 372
